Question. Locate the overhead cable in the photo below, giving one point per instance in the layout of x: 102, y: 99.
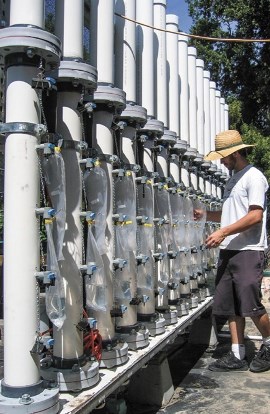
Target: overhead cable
x: 199, y: 37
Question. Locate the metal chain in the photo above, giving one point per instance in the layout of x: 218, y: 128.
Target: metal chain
x: 39, y: 93
x: 113, y: 235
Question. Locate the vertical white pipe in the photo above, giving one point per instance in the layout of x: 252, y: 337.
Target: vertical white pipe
x: 222, y: 114
x: 160, y: 68
x: 27, y: 12
x: 125, y: 50
x: 145, y: 54
x: 69, y: 18
x: 192, y: 53
x: 200, y: 105
x: 21, y: 247
x: 172, y: 73
x: 212, y: 114
x: 69, y: 23
x: 101, y: 46
x: 183, y: 86
x: 226, y: 117
x: 206, y: 105
x: 217, y: 111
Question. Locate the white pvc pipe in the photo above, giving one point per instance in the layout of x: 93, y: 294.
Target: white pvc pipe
x: 200, y: 105
x: 160, y: 67
x: 69, y: 26
x: 226, y: 117
x: 174, y: 171
x: 27, y: 12
x: 21, y: 238
x: 206, y: 105
x: 183, y: 86
x: 192, y: 53
x: 125, y: 50
x: 212, y: 114
x: 102, y: 39
x: 222, y: 114
x: 145, y: 54
x: 217, y: 111
x: 172, y: 73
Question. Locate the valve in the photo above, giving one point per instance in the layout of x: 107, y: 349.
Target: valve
x: 172, y: 254
x: 172, y: 285
x: 142, y: 219
x: 46, y: 84
x: 48, y: 148
x: 89, y: 269
x: 118, y: 312
x: 158, y: 256
x: 119, y: 218
x: 46, y: 277
x: 47, y: 212
x: 88, y: 163
x: 159, y: 221
x: 89, y: 216
x: 160, y: 291
x: 142, y: 259
x: 120, y: 172
x: 119, y: 263
x: 145, y: 298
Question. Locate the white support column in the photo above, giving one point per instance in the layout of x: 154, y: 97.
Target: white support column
x: 145, y: 54
x: 212, y: 114
x: 125, y: 52
x: 226, y: 117
x: 172, y: 73
x: 27, y: 45
x: 183, y: 86
x: 222, y: 114
x: 217, y: 111
x: 206, y: 100
x: 101, y: 46
x: 69, y: 126
x: 192, y: 54
x: 183, y: 97
x: 160, y: 57
x: 207, y: 129
x: 200, y: 105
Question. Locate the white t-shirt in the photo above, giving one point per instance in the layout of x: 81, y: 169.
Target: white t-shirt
x: 245, y: 188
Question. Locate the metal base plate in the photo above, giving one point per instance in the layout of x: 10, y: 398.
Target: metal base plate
x: 45, y: 402
x: 75, y: 379
x: 115, y: 356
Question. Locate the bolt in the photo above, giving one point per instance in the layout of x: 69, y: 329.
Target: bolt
x: 26, y: 399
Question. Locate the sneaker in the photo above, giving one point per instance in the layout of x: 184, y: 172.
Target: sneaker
x: 261, y: 362
x: 229, y: 362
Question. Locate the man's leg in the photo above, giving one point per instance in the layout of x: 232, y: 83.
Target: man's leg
x: 261, y: 362
x: 237, y: 330
x: 263, y: 324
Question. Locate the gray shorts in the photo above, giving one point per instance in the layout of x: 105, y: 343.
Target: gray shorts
x: 238, y: 283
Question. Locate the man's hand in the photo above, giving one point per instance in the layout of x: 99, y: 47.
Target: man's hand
x: 198, y: 214
x: 215, y: 239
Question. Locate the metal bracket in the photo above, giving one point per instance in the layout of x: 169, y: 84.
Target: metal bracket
x: 37, y: 130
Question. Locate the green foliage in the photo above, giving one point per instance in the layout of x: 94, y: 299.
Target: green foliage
x: 241, y: 70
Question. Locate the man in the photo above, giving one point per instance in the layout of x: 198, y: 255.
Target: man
x: 242, y: 242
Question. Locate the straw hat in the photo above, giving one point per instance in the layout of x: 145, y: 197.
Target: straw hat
x: 226, y: 143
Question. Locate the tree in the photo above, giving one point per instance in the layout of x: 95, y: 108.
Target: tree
x: 239, y: 69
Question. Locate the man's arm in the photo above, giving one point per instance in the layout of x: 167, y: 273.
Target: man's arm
x: 254, y: 216
x: 210, y: 215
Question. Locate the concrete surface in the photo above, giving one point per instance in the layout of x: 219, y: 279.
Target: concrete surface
x: 200, y: 391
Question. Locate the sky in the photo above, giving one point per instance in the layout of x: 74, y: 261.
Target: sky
x: 180, y: 8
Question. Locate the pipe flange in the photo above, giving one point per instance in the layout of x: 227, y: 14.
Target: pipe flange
x: 168, y: 138
x: 179, y: 148
x: 111, y: 96
x: 36, y: 130
x: 32, y: 41
x: 134, y: 113
x: 76, y: 72
x: 153, y: 126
